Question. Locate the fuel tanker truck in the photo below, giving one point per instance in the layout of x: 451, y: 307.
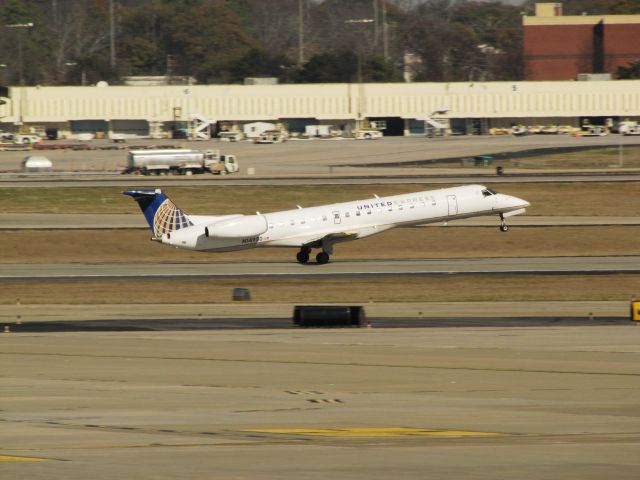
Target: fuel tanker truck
x: 180, y: 161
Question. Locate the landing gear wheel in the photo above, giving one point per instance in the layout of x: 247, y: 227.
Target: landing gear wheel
x: 322, y: 258
x: 504, y: 227
x: 302, y: 256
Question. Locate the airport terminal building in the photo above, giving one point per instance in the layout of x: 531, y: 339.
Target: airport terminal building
x: 403, y: 108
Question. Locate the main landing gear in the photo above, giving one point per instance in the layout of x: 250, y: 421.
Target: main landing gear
x: 322, y: 257
x: 303, y: 255
x: 503, y: 226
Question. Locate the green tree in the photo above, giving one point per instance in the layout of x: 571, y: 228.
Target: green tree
x: 330, y: 67
x: 206, y: 39
x: 17, y: 11
x: 632, y: 71
x: 260, y: 63
x: 346, y: 66
x: 144, y: 37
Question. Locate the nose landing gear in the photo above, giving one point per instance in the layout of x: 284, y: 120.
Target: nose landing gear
x: 503, y: 225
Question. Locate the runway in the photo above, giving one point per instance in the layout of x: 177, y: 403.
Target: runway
x: 378, y: 268
x: 348, y: 176
x: 464, y: 403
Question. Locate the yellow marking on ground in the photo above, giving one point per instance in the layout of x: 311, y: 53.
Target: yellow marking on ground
x: 374, y: 432
x: 9, y: 458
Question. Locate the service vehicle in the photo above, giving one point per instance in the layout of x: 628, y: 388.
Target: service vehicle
x: 367, y: 134
x: 180, y: 161
x: 231, y: 136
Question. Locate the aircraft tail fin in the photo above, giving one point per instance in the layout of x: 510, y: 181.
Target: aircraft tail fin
x: 162, y: 215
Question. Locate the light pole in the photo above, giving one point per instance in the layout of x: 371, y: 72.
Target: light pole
x: 21, y: 27
x: 360, y: 103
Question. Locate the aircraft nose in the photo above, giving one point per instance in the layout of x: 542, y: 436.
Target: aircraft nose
x: 520, y: 202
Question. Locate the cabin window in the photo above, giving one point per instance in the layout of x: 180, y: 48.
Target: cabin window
x: 347, y: 214
x: 302, y: 222
x: 433, y: 200
x: 292, y: 223
x: 368, y: 212
x: 358, y: 213
x: 324, y: 218
x: 271, y: 226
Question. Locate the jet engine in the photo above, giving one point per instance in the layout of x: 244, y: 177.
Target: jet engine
x: 237, y: 227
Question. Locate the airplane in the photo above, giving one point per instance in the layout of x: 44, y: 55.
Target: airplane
x: 319, y: 227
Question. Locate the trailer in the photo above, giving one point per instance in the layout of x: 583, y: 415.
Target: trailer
x: 180, y: 161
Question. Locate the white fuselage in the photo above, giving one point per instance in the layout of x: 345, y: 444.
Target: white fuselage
x: 341, y: 221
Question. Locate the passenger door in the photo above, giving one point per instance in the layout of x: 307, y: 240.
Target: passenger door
x: 452, y: 203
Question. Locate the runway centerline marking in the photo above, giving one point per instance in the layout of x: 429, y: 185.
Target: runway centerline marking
x: 11, y: 458
x: 374, y: 432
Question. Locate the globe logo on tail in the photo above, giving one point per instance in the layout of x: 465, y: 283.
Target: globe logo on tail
x: 168, y: 218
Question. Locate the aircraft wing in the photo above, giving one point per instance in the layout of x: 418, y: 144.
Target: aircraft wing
x: 314, y: 240
x: 334, y: 237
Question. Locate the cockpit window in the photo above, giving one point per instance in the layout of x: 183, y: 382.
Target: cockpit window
x: 487, y: 192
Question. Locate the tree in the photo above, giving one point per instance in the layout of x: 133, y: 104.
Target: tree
x: 330, y: 67
x: 632, y: 71
x: 260, y: 63
x: 205, y: 39
x: 346, y: 66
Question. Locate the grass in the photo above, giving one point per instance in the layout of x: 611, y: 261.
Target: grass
x: 457, y: 288
x: 133, y: 246
x: 597, y: 158
x: 546, y: 199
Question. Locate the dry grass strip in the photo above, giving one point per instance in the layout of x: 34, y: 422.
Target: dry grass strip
x: 467, y: 288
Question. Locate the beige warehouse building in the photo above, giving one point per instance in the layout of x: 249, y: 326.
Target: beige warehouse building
x: 470, y: 107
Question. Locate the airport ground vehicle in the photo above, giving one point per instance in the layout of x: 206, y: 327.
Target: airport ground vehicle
x: 180, y: 162
x: 231, y: 136
x: 367, y: 134
x: 271, y: 136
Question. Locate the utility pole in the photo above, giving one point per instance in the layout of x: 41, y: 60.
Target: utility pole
x: 112, y: 36
x: 54, y: 9
x: 385, y: 32
x: 300, y: 32
x: 376, y: 30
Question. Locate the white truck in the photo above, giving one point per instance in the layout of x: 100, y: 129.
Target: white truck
x: 180, y: 161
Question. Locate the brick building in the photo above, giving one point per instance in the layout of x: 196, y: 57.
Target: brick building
x: 558, y: 47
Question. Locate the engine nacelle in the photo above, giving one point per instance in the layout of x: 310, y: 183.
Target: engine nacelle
x: 237, y: 227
